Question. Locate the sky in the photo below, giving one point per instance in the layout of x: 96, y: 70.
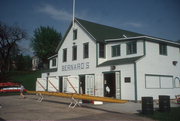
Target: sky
x: 158, y: 18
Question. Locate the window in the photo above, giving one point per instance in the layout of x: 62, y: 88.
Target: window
x: 74, y: 53
x: 177, y: 82
x: 102, y: 50
x: 116, y: 50
x: 131, y: 48
x: 86, y: 50
x: 54, y: 62
x: 75, y: 34
x: 158, y: 81
x: 162, y: 49
x: 64, y: 55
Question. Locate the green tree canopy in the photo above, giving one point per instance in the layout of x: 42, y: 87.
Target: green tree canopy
x: 45, y: 41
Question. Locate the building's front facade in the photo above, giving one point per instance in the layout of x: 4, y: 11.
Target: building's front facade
x: 93, y: 57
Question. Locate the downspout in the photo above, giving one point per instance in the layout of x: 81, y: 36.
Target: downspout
x: 135, y: 81
x: 97, y: 54
x: 135, y: 71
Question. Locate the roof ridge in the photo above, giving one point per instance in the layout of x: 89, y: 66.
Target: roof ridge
x: 107, y: 25
x: 102, y: 32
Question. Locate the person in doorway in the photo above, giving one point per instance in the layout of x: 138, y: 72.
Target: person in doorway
x: 107, y: 90
x: 22, y: 91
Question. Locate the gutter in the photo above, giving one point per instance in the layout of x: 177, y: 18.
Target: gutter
x: 142, y: 37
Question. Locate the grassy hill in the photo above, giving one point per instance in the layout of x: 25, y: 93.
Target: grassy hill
x: 28, y: 79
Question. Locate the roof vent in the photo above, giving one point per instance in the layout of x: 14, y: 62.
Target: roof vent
x: 124, y: 36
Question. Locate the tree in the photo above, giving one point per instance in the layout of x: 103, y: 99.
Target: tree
x: 23, y: 63
x: 9, y: 36
x: 44, y: 42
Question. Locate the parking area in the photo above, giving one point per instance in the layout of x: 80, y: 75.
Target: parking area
x: 56, y: 108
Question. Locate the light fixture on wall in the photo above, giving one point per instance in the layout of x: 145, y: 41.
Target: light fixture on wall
x: 174, y: 63
x: 112, y: 68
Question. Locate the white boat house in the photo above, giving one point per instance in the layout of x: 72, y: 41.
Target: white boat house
x: 105, y: 61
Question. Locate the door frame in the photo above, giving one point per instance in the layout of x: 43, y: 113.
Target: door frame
x: 106, y: 72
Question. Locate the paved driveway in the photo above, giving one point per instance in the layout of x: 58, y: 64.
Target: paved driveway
x: 56, y: 108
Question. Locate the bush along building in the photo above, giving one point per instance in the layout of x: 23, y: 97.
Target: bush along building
x: 104, y: 61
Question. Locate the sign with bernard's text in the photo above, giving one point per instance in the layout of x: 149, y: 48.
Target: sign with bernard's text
x: 77, y: 66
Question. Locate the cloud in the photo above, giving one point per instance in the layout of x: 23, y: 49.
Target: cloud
x: 54, y: 13
x: 133, y: 24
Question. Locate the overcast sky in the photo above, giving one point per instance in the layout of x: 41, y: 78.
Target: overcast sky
x: 158, y: 18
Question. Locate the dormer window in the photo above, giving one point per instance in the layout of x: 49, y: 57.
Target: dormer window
x: 74, y: 34
x: 54, y: 62
x: 131, y: 48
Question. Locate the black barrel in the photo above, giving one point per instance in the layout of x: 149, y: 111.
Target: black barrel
x: 147, y: 105
x: 164, y: 103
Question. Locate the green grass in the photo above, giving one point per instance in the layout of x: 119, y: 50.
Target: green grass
x: 173, y: 115
x: 28, y: 79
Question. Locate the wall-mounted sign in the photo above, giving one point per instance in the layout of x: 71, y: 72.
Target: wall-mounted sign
x: 78, y: 66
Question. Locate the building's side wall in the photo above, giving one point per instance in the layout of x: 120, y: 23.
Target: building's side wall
x: 126, y: 89
x: 159, y: 66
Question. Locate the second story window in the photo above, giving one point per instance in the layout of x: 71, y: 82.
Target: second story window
x: 64, y: 55
x: 116, y: 50
x: 54, y: 62
x: 86, y: 50
x: 74, y: 53
x: 75, y: 34
x: 163, y: 49
x: 101, y: 50
x: 131, y: 48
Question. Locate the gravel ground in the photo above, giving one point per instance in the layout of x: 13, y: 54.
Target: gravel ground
x: 56, y: 108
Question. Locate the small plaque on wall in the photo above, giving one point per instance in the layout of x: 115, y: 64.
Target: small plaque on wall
x: 127, y: 80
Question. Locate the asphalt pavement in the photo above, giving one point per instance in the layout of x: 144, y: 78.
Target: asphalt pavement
x: 57, y: 108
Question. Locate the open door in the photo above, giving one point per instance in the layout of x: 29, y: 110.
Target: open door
x: 118, y: 85
x: 89, y: 84
x: 65, y: 79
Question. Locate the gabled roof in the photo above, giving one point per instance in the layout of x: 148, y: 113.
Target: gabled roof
x: 120, y: 61
x: 102, y: 32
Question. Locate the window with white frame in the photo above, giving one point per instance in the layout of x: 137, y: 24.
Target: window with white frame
x: 74, y: 52
x: 102, y: 50
x: 131, y: 47
x: 162, y: 49
x: 53, y: 62
x: 158, y: 81
x: 116, y: 50
x: 177, y: 82
x: 64, y: 55
x: 74, y: 34
x: 86, y: 50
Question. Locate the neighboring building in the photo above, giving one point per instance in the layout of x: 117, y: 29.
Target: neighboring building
x: 132, y: 65
x: 35, y: 63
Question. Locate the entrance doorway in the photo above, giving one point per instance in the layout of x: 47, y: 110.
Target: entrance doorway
x: 82, y: 84
x: 110, y: 85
